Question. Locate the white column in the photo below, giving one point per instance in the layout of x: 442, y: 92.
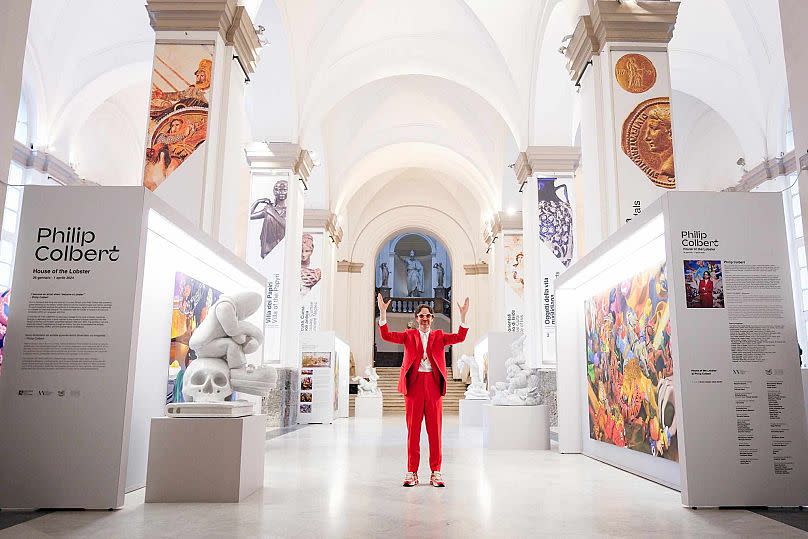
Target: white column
x: 618, y: 57
x: 209, y: 186
x: 13, y: 35
x: 793, y: 14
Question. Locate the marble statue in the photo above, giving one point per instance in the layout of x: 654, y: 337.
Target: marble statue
x: 221, y: 343
x: 415, y: 275
x: 385, y: 274
x: 441, y: 273
x: 369, y: 387
x: 476, y: 390
x: 521, y: 387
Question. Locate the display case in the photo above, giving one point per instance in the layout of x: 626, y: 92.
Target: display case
x: 678, y: 354
x: 109, y: 283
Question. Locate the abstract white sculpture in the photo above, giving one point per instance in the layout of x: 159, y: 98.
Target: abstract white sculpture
x: 476, y: 390
x: 369, y: 387
x: 522, y: 385
x: 221, y: 343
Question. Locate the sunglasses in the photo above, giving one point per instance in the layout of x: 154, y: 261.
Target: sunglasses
x: 427, y: 316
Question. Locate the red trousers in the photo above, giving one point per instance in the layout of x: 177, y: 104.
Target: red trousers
x: 424, y: 401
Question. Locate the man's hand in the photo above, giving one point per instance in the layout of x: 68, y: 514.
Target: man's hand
x: 463, y: 310
x: 383, y: 306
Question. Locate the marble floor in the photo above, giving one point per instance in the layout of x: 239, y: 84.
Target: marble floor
x: 343, y: 480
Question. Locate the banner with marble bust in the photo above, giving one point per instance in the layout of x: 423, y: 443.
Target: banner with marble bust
x: 266, y: 237
x: 311, y: 263
x: 643, y: 131
x: 556, y: 252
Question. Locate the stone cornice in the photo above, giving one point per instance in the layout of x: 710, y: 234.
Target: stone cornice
x: 765, y: 171
x: 625, y: 22
x: 476, y: 269
x: 492, y: 230
x: 546, y: 160
x: 522, y: 169
x: 242, y: 37
x: 583, y: 45
x: 343, y: 266
x: 325, y: 219
x: 199, y: 15
x: 511, y: 222
x: 49, y: 164
x: 280, y: 156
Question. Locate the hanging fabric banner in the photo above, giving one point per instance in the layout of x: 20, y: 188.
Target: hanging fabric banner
x: 311, y: 263
x: 514, y: 283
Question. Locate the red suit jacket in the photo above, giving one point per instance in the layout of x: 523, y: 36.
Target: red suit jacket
x: 414, y: 351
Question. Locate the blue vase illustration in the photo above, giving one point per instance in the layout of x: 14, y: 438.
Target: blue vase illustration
x: 555, y: 219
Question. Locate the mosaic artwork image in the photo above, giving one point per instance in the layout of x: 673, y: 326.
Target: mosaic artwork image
x: 629, y: 366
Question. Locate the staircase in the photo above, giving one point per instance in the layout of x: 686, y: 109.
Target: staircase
x: 394, y: 401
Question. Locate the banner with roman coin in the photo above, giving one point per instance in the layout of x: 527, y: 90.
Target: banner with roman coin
x: 311, y: 263
x: 556, y: 252
x: 641, y: 92
x: 266, y: 237
x: 182, y: 74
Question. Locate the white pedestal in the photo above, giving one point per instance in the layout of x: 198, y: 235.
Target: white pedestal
x: 471, y: 412
x: 369, y: 407
x: 205, y: 459
x: 516, y: 427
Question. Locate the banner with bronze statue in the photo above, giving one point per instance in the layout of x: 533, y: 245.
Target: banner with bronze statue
x: 178, y: 108
x: 266, y: 237
x: 641, y: 91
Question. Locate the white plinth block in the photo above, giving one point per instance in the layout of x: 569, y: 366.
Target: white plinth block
x: 516, y: 427
x: 205, y: 459
x: 369, y: 407
x: 471, y: 412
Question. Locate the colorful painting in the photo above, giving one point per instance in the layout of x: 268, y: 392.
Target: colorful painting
x: 178, y: 108
x: 316, y: 359
x: 5, y: 297
x: 630, y: 366
x: 704, y: 284
x: 192, y: 299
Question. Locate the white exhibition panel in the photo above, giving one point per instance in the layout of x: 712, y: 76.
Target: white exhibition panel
x: 173, y: 246
x: 329, y: 391
x: 740, y: 415
x: 81, y: 435
x: 67, y: 381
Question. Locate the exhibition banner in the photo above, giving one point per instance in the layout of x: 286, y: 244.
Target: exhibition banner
x: 738, y: 393
x: 311, y: 263
x: 514, y: 283
x: 556, y: 252
x: 266, y: 238
x: 68, y: 369
x: 178, y: 108
x: 643, y: 130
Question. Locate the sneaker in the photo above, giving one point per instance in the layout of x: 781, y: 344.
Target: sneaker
x: 436, y: 480
x: 411, y: 479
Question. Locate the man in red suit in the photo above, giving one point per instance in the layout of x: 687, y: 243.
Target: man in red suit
x: 423, y: 383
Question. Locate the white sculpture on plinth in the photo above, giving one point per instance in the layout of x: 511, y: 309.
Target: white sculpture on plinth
x: 369, y: 387
x: 522, y: 385
x: 221, y: 343
x: 476, y: 390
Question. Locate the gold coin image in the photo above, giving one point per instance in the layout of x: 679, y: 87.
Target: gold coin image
x: 648, y: 141
x: 635, y: 73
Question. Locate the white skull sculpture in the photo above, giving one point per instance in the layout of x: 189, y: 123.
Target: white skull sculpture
x: 206, y: 380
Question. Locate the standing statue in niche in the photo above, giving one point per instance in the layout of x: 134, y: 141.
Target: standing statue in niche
x: 221, y: 343
x: 274, y: 216
x: 385, y: 274
x: 415, y: 275
x: 441, y: 273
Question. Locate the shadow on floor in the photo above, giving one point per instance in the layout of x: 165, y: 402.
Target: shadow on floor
x: 797, y: 518
x: 9, y: 518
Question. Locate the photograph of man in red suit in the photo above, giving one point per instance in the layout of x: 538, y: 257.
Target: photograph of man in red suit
x: 423, y: 383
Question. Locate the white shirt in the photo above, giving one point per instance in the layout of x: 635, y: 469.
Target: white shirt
x: 426, y: 365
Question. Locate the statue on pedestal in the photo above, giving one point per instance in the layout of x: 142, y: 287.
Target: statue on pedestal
x: 522, y: 385
x: 385, y: 274
x: 415, y: 275
x: 476, y: 390
x: 369, y: 387
x: 441, y: 273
